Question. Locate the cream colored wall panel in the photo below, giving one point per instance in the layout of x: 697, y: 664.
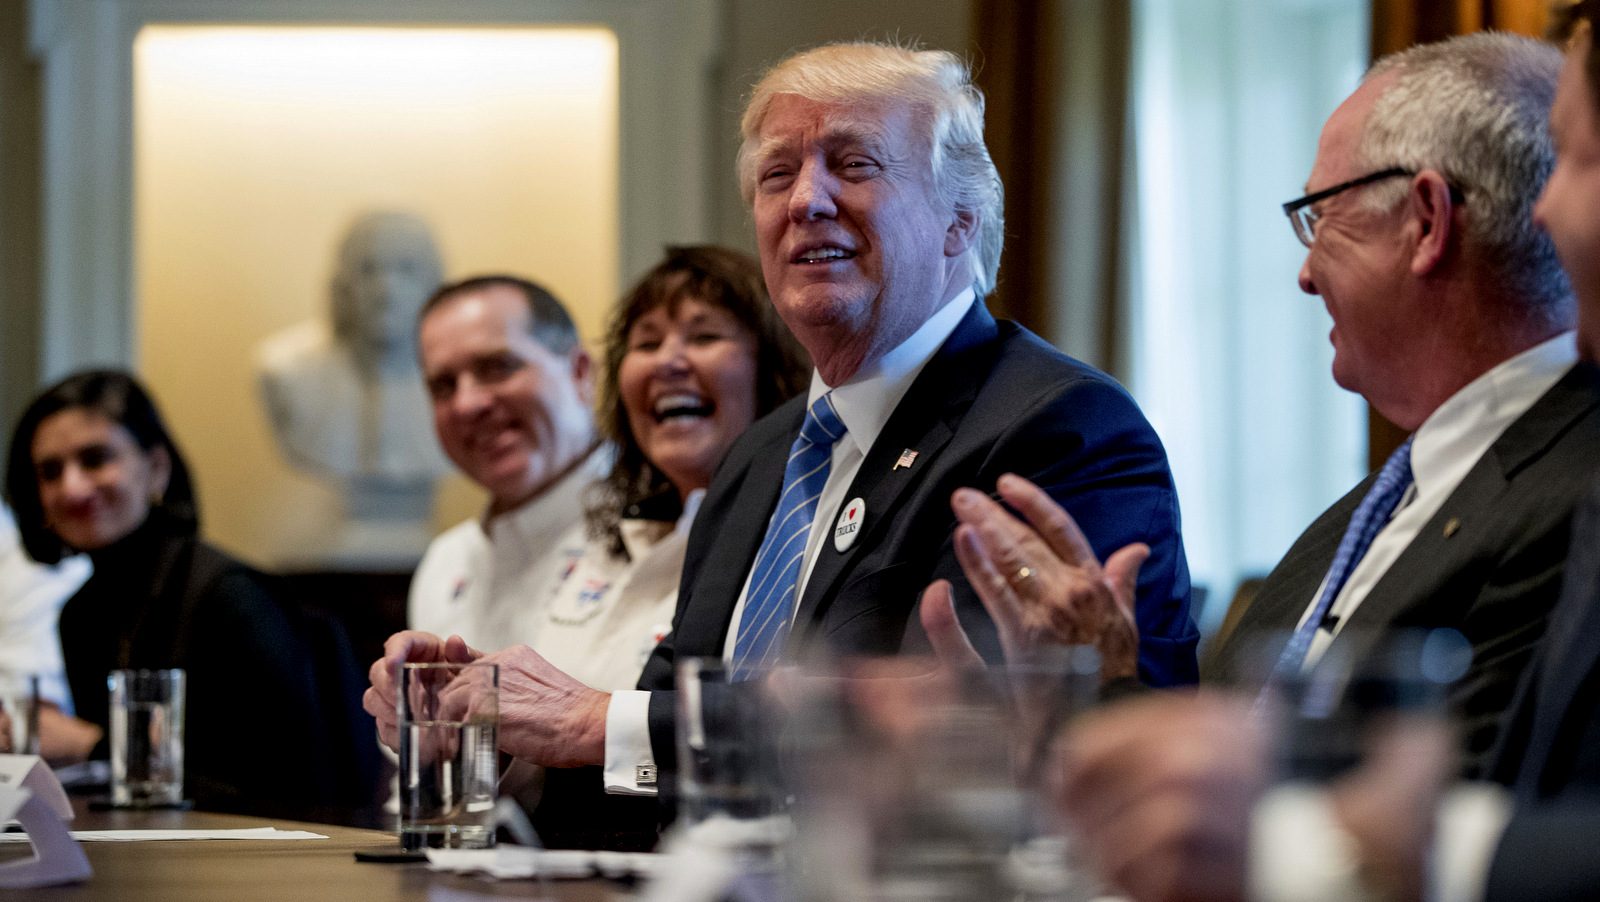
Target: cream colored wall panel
x: 254, y: 148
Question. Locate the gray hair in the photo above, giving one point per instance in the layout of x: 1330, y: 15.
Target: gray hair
x: 1476, y: 109
x: 933, y: 80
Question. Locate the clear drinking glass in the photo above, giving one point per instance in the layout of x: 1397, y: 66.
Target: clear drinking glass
x: 726, y: 761
x: 147, y: 709
x: 1326, y: 718
x: 930, y: 788
x: 449, y: 755
x: 21, y: 704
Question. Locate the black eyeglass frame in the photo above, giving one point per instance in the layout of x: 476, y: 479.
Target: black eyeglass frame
x: 1293, y: 207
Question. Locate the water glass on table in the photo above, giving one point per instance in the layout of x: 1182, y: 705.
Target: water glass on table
x: 727, y: 763
x: 147, y: 710
x: 449, y: 755
x: 21, y: 706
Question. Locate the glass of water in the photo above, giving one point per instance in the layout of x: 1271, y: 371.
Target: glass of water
x: 449, y: 755
x: 146, y: 738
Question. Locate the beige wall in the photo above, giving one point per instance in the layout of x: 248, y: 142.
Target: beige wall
x: 254, y: 148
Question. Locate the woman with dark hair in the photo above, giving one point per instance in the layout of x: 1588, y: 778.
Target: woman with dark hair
x: 694, y: 354
x: 92, y: 469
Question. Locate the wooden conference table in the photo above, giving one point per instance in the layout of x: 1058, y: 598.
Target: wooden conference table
x: 266, y: 870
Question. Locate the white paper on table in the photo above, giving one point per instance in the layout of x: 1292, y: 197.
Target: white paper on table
x: 169, y: 835
x: 521, y: 862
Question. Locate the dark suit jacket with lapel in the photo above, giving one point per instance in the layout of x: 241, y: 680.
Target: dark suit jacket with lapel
x: 1549, y: 752
x: 994, y: 399
x: 1494, y: 574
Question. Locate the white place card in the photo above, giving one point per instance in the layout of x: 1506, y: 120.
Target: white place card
x: 30, y: 793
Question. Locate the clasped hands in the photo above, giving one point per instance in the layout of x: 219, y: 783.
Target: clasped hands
x: 546, y: 716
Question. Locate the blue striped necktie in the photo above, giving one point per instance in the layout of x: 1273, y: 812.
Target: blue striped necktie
x: 769, y: 604
x: 1369, y: 519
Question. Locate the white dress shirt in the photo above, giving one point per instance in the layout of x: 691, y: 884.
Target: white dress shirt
x: 487, y: 580
x: 864, y: 404
x: 1444, y: 449
x: 31, y: 596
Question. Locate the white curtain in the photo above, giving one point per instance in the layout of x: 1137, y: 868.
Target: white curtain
x: 1227, y: 357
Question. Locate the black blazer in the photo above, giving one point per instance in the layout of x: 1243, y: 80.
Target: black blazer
x: 1550, y: 750
x: 994, y: 399
x: 1489, y: 563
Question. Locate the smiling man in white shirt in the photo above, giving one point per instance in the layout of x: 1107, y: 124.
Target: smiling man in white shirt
x: 510, y: 387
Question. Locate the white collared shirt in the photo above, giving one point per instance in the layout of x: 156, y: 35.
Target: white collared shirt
x: 864, y: 404
x: 1444, y: 449
x: 487, y: 579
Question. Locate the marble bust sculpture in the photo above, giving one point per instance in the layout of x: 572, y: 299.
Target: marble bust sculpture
x: 347, y: 403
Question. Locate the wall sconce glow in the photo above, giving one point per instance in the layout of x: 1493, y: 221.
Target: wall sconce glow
x: 334, y: 66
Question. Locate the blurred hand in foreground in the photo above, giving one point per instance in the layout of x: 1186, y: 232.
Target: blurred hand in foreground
x: 1159, y: 791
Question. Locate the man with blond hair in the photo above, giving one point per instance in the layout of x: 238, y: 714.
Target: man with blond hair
x: 878, y: 215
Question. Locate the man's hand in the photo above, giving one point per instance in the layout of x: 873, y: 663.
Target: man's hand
x: 1041, y: 581
x: 1387, y: 804
x: 546, y: 716
x: 64, y: 739
x: 381, y: 699
x: 1160, y: 790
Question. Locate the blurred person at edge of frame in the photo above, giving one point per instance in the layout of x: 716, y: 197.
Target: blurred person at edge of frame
x: 92, y: 468
x: 31, y: 596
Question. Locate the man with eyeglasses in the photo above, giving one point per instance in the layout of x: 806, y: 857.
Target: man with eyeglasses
x: 1451, y: 317
x: 1181, y: 819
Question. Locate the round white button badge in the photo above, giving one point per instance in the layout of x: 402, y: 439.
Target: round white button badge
x: 849, y: 525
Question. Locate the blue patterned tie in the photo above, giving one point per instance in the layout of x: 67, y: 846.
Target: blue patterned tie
x: 769, y: 605
x: 1370, y: 518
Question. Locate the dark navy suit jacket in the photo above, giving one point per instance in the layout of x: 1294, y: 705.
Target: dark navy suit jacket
x: 994, y: 399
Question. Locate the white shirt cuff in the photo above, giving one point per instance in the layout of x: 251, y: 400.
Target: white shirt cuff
x: 630, y: 767
x: 1472, y: 818
x: 1298, y: 851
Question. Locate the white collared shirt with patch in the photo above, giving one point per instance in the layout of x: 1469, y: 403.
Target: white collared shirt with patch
x: 486, y: 580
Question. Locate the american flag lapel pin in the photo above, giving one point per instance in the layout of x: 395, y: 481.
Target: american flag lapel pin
x: 907, y: 458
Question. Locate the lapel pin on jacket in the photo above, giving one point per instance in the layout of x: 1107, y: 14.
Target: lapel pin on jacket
x: 907, y: 458
x: 849, y: 525
x: 1451, y: 527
